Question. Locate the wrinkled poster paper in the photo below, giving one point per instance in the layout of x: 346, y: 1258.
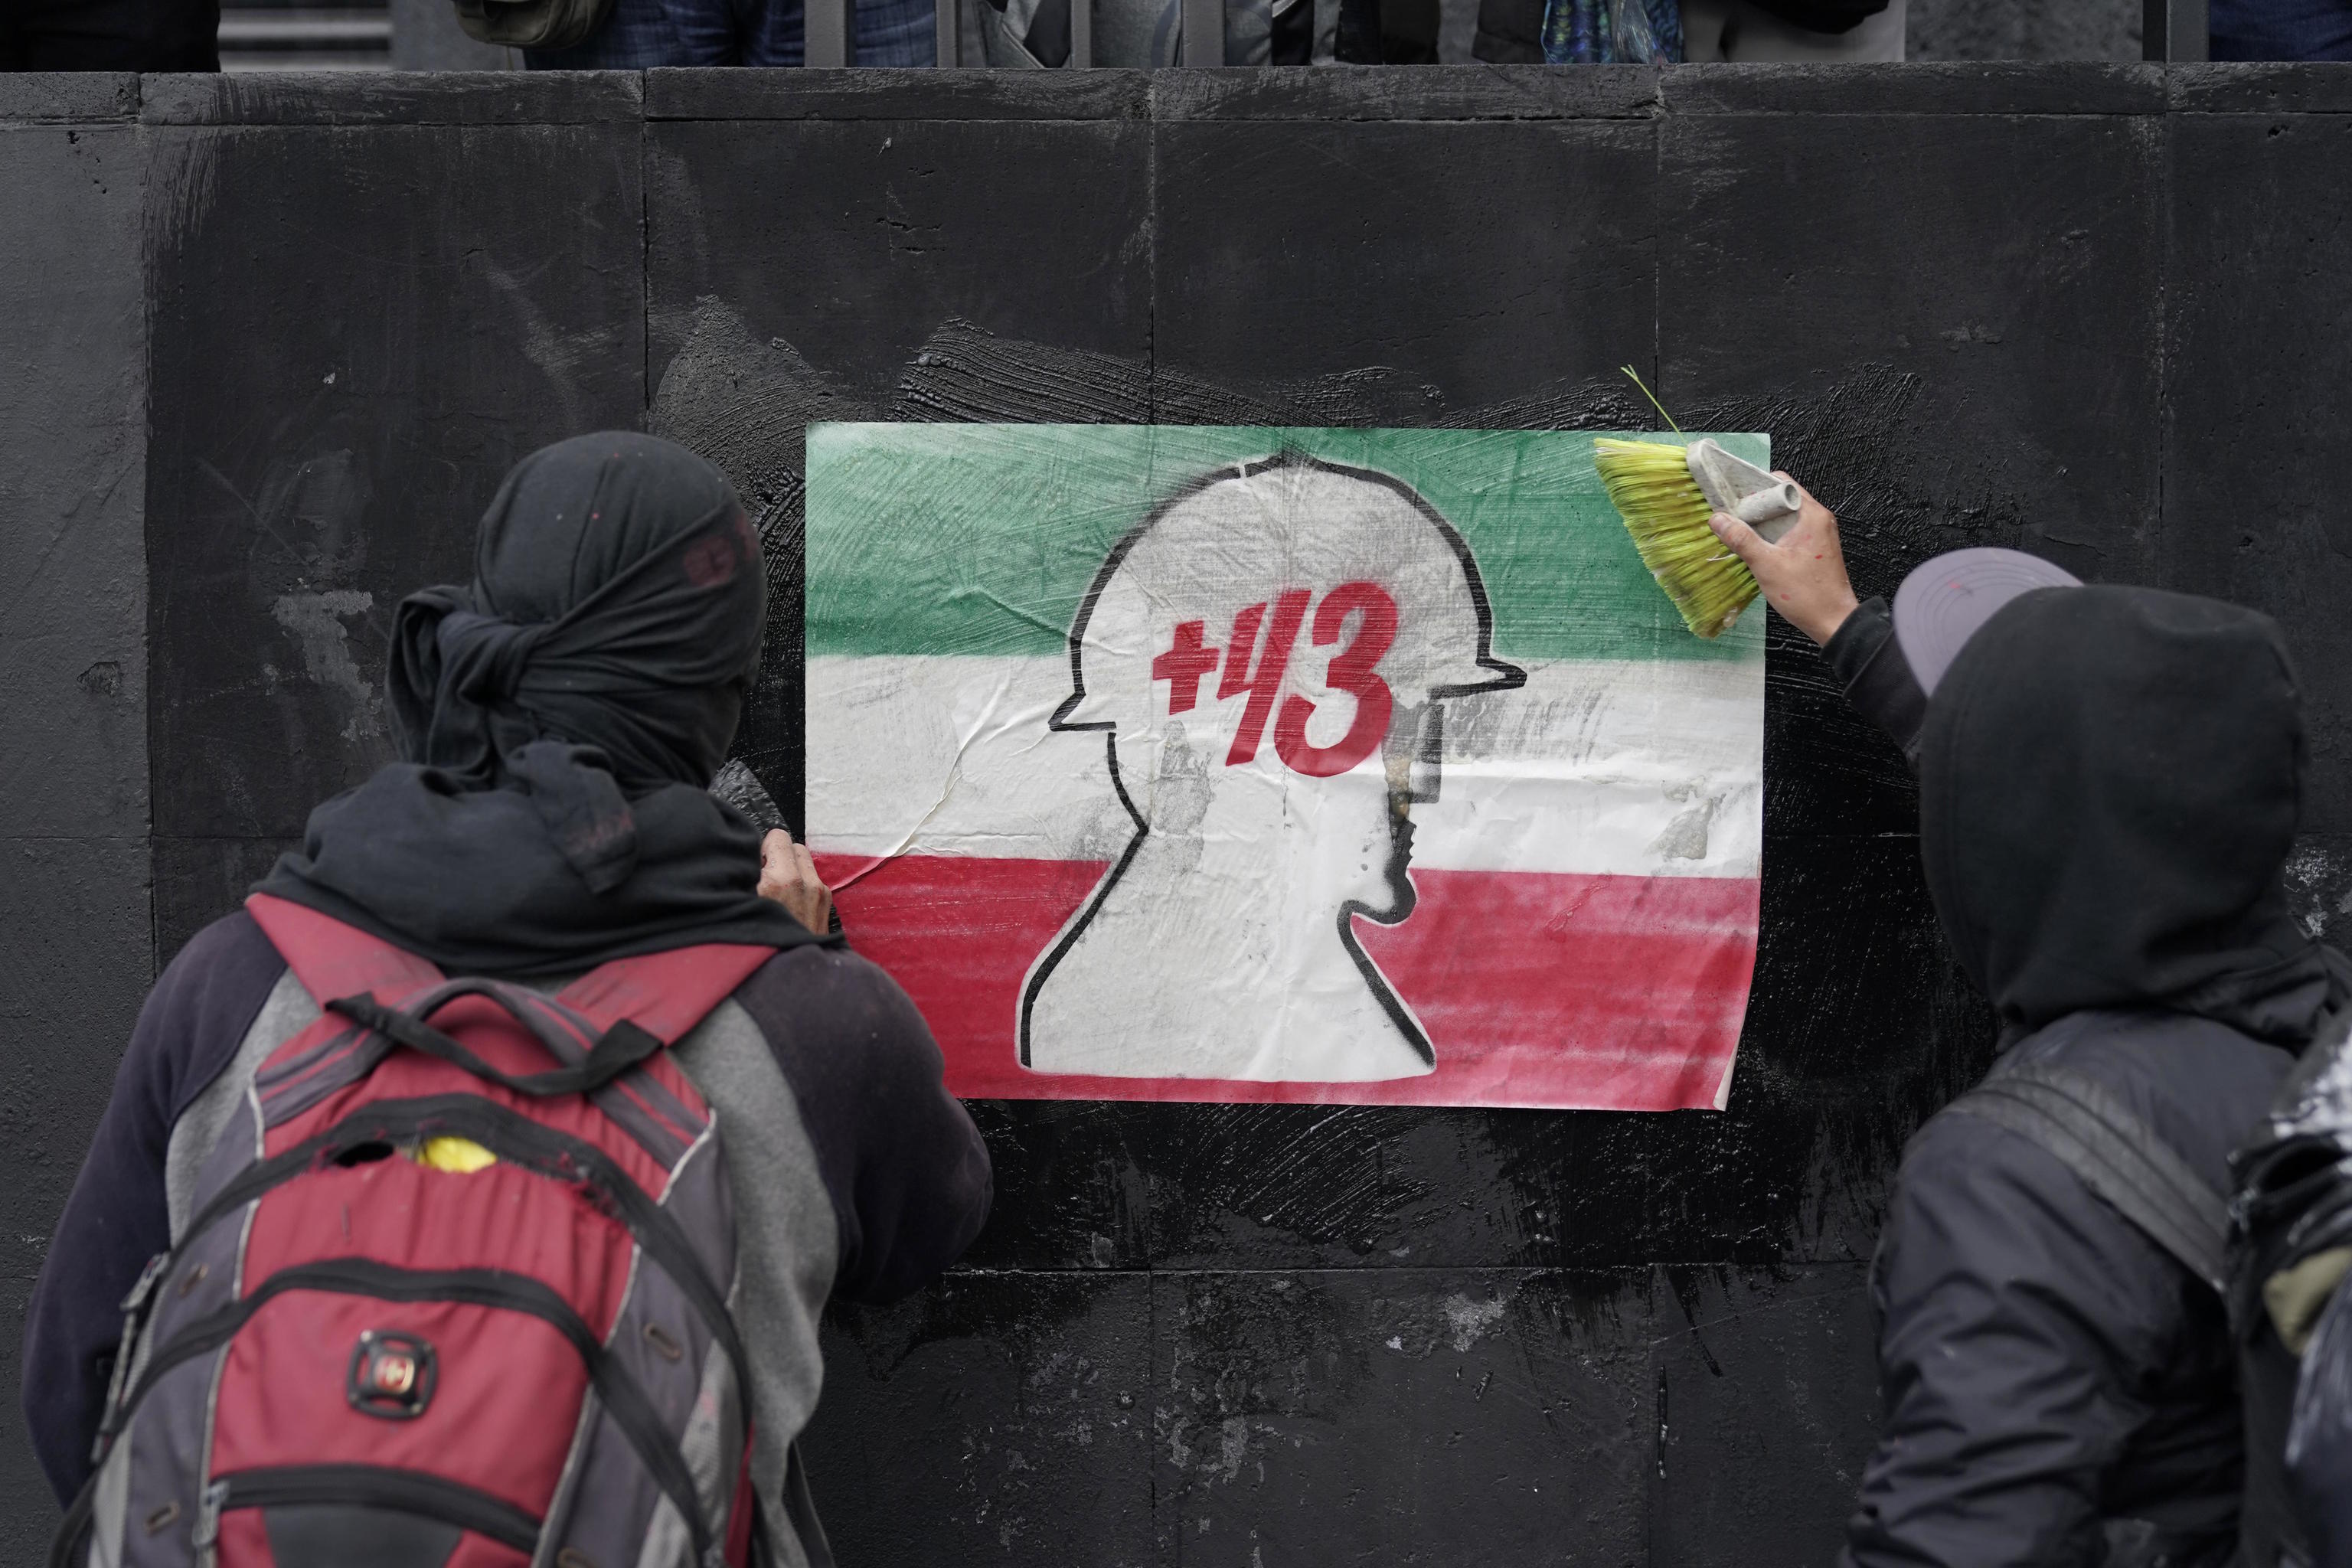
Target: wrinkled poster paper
x: 1173, y: 763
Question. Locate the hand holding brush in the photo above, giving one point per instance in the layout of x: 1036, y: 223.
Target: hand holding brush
x: 1802, y: 572
x: 1714, y: 528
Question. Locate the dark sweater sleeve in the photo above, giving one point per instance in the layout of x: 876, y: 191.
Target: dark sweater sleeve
x: 2021, y: 1320
x: 908, y: 1173
x: 115, y: 1218
x: 1869, y: 664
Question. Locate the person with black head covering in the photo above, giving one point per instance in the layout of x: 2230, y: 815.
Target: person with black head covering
x: 561, y: 717
x: 2109, y: 779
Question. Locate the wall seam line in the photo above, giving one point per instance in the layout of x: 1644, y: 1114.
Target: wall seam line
x: 1152, y: 1362
x: 148, y: 280
x: 644, y: 256
x: 2153, y: 552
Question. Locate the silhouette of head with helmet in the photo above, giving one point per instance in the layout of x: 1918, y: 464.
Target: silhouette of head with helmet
x: 1267, y: 658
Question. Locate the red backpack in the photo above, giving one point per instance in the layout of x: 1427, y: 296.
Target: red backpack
x: 454, y: 1292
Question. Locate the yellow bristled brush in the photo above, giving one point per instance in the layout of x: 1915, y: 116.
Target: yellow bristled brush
x: 1665, y: 494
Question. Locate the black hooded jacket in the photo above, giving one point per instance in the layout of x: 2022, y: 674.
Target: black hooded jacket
x: 2108, y: 788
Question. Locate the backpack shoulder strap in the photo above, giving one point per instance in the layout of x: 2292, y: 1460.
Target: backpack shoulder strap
x: 664, y: 994
x: 2117, y: 1156
x: 334, y: 960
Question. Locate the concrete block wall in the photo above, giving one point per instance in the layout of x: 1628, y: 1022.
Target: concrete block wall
x: 271, y: 343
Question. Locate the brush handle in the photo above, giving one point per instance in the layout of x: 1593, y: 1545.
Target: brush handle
x: 1755, y: 496
x: 1770, y: 512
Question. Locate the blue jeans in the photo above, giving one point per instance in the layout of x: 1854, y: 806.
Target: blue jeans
x: 641, y: 33
x: 2281, y: 29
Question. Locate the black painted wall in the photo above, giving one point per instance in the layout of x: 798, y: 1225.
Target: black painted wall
x: 266, y: 347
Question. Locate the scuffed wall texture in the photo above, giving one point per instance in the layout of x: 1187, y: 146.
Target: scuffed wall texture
x: 2016, y: 305
x: 75, y: 950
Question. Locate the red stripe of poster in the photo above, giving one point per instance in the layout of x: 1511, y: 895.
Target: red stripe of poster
x: 1535, y: 989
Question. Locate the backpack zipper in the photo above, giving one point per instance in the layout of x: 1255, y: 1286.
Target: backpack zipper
x: 405, y: 1491
x: 512, y: 1136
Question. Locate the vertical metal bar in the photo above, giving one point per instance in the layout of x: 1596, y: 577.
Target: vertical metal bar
x: 2188, y: 34
x: 1204, y: 32
x: 2174, y: 31
x: 828, y: 32
x: 944, y: 28
x: 1082, y: 34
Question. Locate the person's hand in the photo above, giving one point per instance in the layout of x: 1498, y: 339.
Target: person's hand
x: 1803, y: 576
x: 788, y: 875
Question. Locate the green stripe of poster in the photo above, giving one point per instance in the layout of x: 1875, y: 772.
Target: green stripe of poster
x: 981, y: 540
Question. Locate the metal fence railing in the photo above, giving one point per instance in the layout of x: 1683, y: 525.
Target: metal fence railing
x: 310, y: 35
x: 357, y: 35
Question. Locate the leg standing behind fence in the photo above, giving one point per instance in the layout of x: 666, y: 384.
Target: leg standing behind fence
x: 1204, y: 32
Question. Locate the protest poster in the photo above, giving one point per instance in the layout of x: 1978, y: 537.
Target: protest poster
x: 1370, y: 766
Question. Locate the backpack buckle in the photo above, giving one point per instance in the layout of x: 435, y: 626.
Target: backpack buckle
x: 392, y: 1375
x: 145, y: 1286
x: 206, y: 1534
x: 118, y: 1380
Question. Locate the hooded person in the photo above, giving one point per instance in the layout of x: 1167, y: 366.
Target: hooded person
x: 560, y: 716
x: 2109, y: 779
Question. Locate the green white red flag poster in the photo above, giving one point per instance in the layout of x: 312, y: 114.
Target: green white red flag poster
x: 1351, y: 766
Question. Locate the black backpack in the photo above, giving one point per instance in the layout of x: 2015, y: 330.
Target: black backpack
x: 2115, y: 1153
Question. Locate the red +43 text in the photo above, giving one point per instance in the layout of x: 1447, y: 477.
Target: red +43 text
x: 1190, y: 660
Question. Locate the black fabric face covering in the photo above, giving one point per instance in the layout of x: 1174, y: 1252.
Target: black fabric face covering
x: 2109, y: 780
x: 561, y: 715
